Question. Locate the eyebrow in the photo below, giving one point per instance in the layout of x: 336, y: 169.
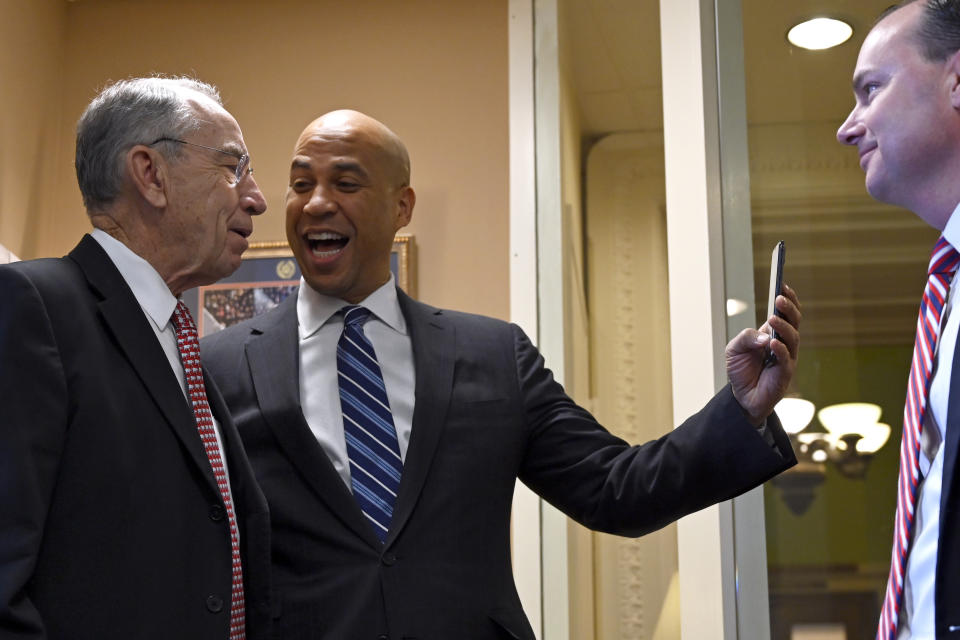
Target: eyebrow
x: 234, y: 148
x: 351, y: 166
x: 299, y: 164
x: 860, y: 78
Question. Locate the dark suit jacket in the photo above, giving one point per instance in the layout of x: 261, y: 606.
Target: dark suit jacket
x: 486, y: 412
x: 111, y: 523
x: 947, y: 588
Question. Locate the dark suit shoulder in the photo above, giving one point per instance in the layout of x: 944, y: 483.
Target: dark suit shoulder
x: 462, y: 321
x: 44, y: 273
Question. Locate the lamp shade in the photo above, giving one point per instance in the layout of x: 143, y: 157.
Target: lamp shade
x: 849, y: 417
x: 873, y: 438
x: 794, y: 413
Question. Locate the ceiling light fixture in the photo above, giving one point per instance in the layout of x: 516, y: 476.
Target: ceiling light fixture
x: 820, y: 33
x: 853, y: 434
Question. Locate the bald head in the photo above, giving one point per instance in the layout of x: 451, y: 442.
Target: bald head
x: 349, y: 194
x: 356, y: 127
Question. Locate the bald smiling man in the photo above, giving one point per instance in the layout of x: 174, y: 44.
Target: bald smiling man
x: 388, y: 435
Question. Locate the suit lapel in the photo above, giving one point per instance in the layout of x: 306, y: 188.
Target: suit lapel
x: 273, y: 352
x: 952, y: 437
x: 125, y: 320
x: 433, y: 354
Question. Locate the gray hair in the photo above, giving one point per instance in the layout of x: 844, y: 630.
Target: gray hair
x: 127, y: 113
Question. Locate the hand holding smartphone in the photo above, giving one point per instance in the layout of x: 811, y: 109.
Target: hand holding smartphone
x: 776, y: 284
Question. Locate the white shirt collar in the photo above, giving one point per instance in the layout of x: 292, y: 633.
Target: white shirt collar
x: 148, y: 287
x: 952, y: 229
x: 314, y: 309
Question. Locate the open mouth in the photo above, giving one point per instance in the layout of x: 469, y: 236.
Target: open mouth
x: 326, y: 244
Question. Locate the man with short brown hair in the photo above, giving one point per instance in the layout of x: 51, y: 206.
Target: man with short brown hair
x: 906, y: 127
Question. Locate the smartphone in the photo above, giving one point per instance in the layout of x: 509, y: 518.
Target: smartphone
x: 776, y: 284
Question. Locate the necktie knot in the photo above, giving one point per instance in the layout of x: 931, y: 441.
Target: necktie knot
x: 355, y: 315
x: 182, y: 319
x: 944, y: 259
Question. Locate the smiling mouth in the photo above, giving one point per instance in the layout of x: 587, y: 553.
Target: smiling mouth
x: 326, y: 244
x: 863, y: 156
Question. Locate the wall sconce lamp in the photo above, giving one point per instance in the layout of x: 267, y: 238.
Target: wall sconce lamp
x: 853, y: 434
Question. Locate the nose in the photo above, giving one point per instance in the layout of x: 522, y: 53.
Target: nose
x: 252, y: 199
x: 319, y: 202
x: 851, y: 130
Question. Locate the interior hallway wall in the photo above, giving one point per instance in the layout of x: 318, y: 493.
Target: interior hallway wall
x: 434, y: 71
x: 31, y: 67
x: 636, y: 581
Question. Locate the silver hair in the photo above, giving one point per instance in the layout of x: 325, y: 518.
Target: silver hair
x: 127, y: 113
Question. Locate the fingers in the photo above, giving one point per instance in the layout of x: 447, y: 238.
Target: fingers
x: 747, y: 340
x: 792, y: 297
x: 788, y: 327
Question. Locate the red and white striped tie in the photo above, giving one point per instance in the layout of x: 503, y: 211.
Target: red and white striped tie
x: 943, y: 264
x: 189, y: 348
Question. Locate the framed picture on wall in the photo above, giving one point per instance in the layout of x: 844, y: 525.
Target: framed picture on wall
x: 267, y: 275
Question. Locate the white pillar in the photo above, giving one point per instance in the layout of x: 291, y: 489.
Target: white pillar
x: 697, y: 321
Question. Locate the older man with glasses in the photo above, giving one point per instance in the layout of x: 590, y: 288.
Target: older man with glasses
x: 128, y: 508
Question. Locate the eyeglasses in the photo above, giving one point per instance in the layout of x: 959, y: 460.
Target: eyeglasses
x: 243, y: 159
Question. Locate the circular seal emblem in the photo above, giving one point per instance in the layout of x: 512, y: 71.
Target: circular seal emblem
x: 286, y: 269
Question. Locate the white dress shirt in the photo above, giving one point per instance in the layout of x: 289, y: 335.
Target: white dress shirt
x: 158, y: 305
x: 319, y: 328
x: 917, y: 616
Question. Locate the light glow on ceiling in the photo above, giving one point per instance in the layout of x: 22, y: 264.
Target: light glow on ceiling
x: 820, y: 33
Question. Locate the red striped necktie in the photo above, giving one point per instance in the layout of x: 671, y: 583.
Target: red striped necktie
x: 943, y: 264
x: 189, y: 347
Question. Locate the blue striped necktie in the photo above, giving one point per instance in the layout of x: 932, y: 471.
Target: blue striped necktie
x: 372, y: 446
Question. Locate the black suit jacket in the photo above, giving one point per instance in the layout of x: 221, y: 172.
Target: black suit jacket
x: 111, y: 523
x: 486, y: 412
x: 947, y: 587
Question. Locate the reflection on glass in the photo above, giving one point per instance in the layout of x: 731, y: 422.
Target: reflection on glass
x: 858, y: 267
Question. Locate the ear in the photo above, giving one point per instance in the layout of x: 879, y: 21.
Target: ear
x: 406, y: 198
x: 953, y: 79
x: 147, y: 172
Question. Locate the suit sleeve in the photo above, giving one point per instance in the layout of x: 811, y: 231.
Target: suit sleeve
x: 33, y: 417
x: 604, y: 483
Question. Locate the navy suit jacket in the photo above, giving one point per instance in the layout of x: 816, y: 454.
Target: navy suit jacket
x: 111, y: 523
x: 486, y: 412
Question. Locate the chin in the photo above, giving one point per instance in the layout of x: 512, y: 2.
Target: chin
x: 226, y: 267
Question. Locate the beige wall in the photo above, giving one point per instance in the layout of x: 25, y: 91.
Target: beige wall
x: 31, y: 62
x: 435, y: 71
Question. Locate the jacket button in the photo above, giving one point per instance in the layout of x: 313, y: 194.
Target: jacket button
x: 217, y: 513
x: 214, y: 604
x: 389, y: 559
